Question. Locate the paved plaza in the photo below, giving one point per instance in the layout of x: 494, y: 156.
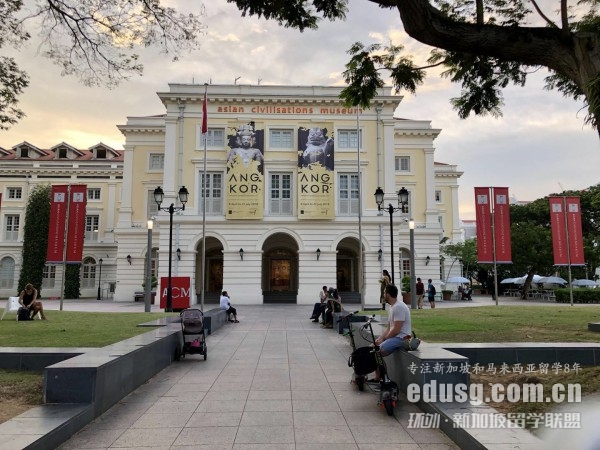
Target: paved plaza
x: 276, y: 380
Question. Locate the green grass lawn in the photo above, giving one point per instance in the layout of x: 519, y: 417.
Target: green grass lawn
x: 74, y: 329
x: 505, y: 324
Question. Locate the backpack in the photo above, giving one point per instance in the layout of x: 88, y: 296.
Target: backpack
x: 432, y: 290
x: 23, y: 314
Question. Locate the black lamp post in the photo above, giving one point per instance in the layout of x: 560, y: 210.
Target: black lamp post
x: 402, y: 206
x: 159, y: 195
x: 100, y: 282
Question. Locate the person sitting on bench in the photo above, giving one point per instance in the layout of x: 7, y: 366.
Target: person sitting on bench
x: 230, y: 310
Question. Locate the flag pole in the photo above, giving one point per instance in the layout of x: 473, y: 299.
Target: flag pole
x: 204, y: 184
x: 64, y: 261
x: 492, y: 204
x: 361, y: 276
x: 568, y: 247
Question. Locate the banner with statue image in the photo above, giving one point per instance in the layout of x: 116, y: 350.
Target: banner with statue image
x: 316, y: 199
x: 245, y: 177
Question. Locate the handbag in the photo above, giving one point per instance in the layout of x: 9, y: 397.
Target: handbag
x: 23, y: 314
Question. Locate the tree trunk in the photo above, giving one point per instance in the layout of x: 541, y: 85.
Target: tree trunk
x: 574, y: 56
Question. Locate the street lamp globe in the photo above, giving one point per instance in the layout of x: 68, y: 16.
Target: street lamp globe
x: 159, y: 195
x: 379, y: 197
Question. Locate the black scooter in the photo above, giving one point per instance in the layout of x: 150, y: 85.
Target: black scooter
x: 366, y: 360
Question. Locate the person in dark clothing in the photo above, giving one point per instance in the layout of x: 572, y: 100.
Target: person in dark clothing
x: 28, y: 299
x: 420, y: 291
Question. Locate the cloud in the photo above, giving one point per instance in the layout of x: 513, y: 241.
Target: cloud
x: 540, y: 140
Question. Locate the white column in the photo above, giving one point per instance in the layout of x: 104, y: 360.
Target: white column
x: 125, y: 211
x: 431, y: 211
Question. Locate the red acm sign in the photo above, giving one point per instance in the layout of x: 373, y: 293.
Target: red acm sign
x: 180, y: 292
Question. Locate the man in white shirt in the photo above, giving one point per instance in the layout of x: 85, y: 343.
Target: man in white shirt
x: 398, y: 328
x: 228, y: 308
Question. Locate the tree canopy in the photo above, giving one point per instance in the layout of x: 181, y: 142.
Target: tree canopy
x: 484, y: 45
x: 93, y: 40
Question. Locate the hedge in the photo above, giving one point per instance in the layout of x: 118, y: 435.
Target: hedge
x: 580, y: 295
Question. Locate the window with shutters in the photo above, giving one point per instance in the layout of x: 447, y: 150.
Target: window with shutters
x: 402, y: 163
x: 91, y: 228
x: 88, y: 273
x: 156, y: 161
x: 48, y: 276
x: 348, y: 139
x: 348, y: 194
x: 281, y: 138
x: 7, y: 272
x: 212, y: 190
x: 12, y: 224
x: 280, y: 194
x: 215, y: 137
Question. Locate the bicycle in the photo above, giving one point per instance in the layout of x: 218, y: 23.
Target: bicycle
x: 366, y: 360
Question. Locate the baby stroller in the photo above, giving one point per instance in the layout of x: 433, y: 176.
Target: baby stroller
x: 192, y: 329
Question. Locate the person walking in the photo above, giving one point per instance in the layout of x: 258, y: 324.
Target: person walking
x: 431, y: 293
x: 420, y: 291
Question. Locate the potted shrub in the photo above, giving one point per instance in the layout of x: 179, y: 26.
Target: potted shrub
x: 446, y: 294
x: 406, y: 290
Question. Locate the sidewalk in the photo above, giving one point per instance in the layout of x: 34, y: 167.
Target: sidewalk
x: 274, y: 381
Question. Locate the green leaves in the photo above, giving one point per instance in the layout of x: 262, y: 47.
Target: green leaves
x: 362, y: 74
x: 35, y: 238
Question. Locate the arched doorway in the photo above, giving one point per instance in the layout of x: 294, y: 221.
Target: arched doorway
x: 213, y: 275
x: 280, y: 269
x: 347, y: 275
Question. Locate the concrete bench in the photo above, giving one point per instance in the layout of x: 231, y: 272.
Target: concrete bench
x: 594, y: 326
x: 103, y: 376
x: 419, y: 366
x: 341, y: 324
x: 214, y: 319
x: 36, y: 359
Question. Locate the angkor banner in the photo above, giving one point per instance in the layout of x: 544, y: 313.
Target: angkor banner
x: 315, y: 174
x: 245, y: 176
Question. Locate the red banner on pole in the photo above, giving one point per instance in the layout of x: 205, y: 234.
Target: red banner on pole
x: 483, y: 219
x: 575, y: 231
x: 502, y: 225
x: 76, y: 233
x: 204, y: 116
x: 56, y: 230
x: 567, y: 236
x: 559, y: 231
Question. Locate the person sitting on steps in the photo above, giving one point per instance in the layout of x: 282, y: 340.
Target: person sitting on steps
x: 230, y: 310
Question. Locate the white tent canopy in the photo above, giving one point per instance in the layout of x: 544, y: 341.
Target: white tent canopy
x: 521, y: 280
x: 584, y: 282
x: 553, y: 280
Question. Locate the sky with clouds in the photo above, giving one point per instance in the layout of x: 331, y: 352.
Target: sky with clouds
x: 539, y: 145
